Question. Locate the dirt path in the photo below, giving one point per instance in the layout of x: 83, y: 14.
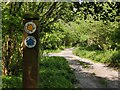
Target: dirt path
x: 89, y: 74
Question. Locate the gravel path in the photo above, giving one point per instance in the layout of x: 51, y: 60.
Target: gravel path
x: 89, y: 74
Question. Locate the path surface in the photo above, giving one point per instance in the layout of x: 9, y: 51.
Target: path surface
x: 89, y: 74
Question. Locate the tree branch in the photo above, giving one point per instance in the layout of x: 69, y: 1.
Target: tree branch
x: 40, y: 6
x: 49, y: 12
x: 20, y: 4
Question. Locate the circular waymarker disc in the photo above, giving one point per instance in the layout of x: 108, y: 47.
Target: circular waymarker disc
x: 30, y: 27
x: 30, y: 41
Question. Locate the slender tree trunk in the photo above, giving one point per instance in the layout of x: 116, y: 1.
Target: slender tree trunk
x: 6, y: 60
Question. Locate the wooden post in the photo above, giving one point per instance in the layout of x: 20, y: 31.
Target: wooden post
x: 30, y: 55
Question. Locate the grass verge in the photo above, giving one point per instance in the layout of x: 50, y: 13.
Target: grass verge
x: 55, y: 73
x: 110, y: 57
x: 52, y: 51
x: 11, y: 82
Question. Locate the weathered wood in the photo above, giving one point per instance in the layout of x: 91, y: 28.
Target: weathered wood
x: 30, y: 56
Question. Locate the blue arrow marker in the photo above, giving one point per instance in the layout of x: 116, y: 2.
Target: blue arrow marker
x: 30, y: 42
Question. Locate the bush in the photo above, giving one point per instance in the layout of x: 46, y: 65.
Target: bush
x: 115, y: 59
x: 11, y: 82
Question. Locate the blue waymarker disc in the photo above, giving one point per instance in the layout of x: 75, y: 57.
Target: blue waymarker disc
x: 30, y: 42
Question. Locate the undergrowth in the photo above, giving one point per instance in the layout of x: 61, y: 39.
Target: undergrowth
x: 54, y: 72
x: 110, y: 57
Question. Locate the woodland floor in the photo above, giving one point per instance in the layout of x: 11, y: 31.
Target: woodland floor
x: 90, y: 74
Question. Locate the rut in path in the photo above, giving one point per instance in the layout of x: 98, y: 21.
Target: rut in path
x: 90, y: 74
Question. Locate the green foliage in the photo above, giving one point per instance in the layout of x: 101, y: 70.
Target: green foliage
x: 12, y: 19
x: 94, y: 34
x: 115, y: 37
x: 11, y: 82
x: 110, y: 57
x: 51, y: 51
x: 56, y: 72
x: 52, y: 40
x: 60, y: 27
x: 106, y: 11
x: 115, y: 59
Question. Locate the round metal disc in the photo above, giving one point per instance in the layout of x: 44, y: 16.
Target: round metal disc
x: 30, y: 41
x: 30, y: 27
